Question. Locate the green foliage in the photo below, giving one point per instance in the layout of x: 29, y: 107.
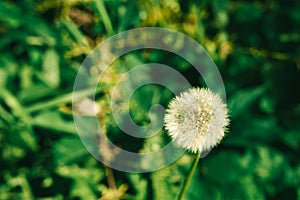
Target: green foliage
x: 254, y: 44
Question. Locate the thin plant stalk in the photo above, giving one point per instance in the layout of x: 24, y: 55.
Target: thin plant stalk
x: 66, y: 98
x: 105, y: 17
x: 189, y: 177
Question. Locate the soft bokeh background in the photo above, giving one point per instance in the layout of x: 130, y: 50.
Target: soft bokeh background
x: 255, y: 44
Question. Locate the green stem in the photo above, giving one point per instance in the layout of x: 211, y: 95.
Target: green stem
x: 190, y: 175
x: 105, y: 17
x: 62, y: 99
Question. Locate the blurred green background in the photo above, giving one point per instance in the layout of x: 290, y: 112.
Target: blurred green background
x: 255, y: 45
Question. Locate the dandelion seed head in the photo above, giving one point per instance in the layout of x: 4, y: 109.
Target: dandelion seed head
x: 196, y: 119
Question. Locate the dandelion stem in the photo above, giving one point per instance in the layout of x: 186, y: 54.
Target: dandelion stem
x: 189, y: 178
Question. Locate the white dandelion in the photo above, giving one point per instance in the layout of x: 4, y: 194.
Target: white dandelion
x: 197, y: 119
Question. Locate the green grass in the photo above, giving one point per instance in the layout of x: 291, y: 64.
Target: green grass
x: 255, y: 46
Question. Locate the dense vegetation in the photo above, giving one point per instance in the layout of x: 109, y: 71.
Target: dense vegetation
x: 255, y: 45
